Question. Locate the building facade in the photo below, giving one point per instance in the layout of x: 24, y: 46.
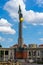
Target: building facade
x: 35, y: 53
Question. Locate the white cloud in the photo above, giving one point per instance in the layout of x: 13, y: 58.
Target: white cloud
x: 34, y: 24
x: 2, y: 39
x: 29, y: 16
x: 24, y: 26
x: 13, y: 8
x: 6, y: 40
x: 41, y: 39
x: 39, y: 3
x: 34, y: 17
x: 8, y: 30
x: 4, y: 22
x: 5, y: 27
x: 39, y: 33
x: 10, y: 39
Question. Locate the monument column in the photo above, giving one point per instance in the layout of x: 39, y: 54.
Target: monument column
x: 20, y: 41
x: 20, y: 52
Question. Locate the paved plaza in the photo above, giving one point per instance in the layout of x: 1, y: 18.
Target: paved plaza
x: 31, y: 64
x: 12, y: 63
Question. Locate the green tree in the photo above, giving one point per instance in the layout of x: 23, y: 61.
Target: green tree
x: 0, y: 45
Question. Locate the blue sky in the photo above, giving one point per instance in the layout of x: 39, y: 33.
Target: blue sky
x: 32, y: 11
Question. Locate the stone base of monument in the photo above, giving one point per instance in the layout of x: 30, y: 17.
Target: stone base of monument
x: 20, y: 53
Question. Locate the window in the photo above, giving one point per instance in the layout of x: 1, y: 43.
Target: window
x: 29, y: 53
x: 34, y: 53
x: 29, y: 45
x: 38, y: 53
x: 1, y: 53
x: 6, y: 52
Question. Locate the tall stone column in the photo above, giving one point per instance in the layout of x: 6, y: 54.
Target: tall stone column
x: 9, y: 55
x: 20, y: 41
x: 20, y: 35
x: 13, y: 54
x: 4, y: 55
